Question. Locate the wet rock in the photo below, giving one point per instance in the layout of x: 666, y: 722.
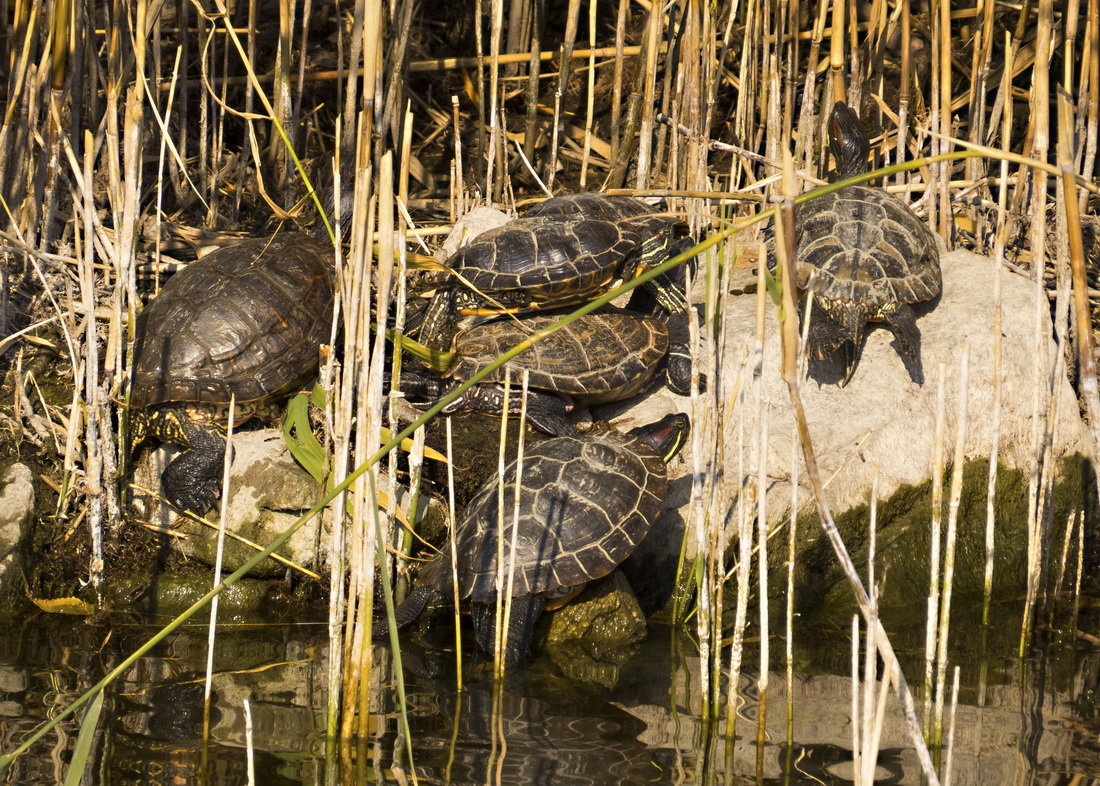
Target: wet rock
x: 171, y: 594
x: 16, y: 514
x: 269, y: 492
x: 590, y: 638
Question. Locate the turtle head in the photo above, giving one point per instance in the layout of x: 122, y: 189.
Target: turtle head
x: 667, y: 435
x: 847, y: 142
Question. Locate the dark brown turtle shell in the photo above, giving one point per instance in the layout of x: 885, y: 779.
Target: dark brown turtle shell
x: 600, y: 357
x: 244, y: 321
x: 564, y: 251
x: 590, y: 205
x: 585, y: 503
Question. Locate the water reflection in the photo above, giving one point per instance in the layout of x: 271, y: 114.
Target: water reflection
x: 1037, y: 722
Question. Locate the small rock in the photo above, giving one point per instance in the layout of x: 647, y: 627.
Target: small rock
x: 16, y: 515
x: 480, y: 219
x: 591, y: 637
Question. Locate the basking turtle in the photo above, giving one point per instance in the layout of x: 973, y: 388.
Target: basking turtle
x: 861, y: 256
x: 598, y: 358
x: 585, y: 503
x: 245, y: 321
x: 564, y: 251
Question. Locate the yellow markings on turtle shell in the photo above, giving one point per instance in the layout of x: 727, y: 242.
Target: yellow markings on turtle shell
x: 488, y: 311
x: 557, y: 603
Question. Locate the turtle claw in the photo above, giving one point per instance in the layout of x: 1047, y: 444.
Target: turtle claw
x: 197, y: 498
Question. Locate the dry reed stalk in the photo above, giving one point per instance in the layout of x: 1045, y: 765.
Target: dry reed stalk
x: 958, y: 465
x: 358, y: 546
x: 509, y: 570
x: 863, y: 720
x: 456, y: 598
x: 935, y: 550
x: 948, y: 769
x: 1082, y: 319
x: 762, y: 577
x: 1089, y: 125
x: 854, y: 705
x: 1039, y: 133
x: 1063, y: 557
x: 93, y: 458
x: 649, y: 93
x: 276, y: 159
x: 219, y: 553
x: 792, y: 535
x: 338, y: 418
x: 370, y: 426
x: 744, y: 504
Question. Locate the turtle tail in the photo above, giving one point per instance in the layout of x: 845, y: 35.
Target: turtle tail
x: 526, y: 611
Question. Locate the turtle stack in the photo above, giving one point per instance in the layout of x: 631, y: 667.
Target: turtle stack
x: 561, y: 253
x: 585, y: 499
x: 243, y: 325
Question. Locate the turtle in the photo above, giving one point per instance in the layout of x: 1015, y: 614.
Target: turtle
x: 585, y: 503
x: 561, y: 252
x: 598, y: 358
x: 244, y: 323
x: 861, y: 256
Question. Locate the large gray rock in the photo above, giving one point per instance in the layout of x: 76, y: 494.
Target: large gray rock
x: 883, y: 419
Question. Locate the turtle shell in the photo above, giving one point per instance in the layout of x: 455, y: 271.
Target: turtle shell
x: 585, y: 503
x: 590, y: 205
x: 244, y: 321
x: 563, y: 251
x: 862, y: 245
x: 599, y: 357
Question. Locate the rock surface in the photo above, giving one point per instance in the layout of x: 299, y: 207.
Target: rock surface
x: 269, y: 492
x: 590, y: 638
x: 883, y: 421
x: 16, y: 514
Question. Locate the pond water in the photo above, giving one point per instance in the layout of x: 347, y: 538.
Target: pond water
x: 1031, y: 721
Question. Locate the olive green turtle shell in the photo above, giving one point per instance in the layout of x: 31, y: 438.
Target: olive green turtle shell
x: 600, y: 357
x: 585, y: 503
x: 861, y: 245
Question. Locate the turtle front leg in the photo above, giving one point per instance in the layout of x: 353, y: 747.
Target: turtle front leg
x: 545, y: 411
x: 193, y: 480
x: 526, y: 611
